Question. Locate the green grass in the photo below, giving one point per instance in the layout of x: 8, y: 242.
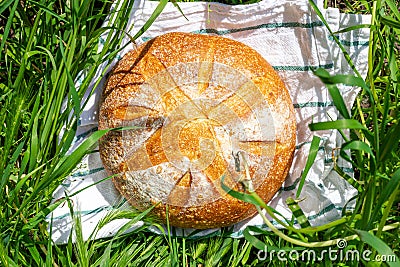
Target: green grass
x: 45, y: 45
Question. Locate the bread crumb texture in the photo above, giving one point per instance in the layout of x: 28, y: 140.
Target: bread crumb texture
x: 193, y: 102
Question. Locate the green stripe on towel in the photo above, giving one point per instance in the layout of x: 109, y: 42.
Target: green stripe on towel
x: 263, y: 26
x: 87, y: 172
x: 256, y: 27
x: 84, y: 134
x: 313, y: 104
x: 85, y: 212
x: 302, y: 68
x: 350, y: 43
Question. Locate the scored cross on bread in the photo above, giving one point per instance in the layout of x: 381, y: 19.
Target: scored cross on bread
x: 197, y: 101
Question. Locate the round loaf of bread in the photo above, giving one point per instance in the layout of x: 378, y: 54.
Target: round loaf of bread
x: 198, y: 110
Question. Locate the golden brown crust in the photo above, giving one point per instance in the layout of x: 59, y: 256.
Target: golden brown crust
x: 198, y: 100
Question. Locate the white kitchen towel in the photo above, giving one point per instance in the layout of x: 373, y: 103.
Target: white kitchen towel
x: 294, y: 40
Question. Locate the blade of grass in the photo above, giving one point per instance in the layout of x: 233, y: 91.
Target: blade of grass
x: 160, y: 7
x: 358, y: 146
x: 297, y: 212
x: 8, y: 24
x: 390, y: 142
x: 179, y: 8
x: 7, y: 172
x: 65, y: 166
x: 49, y: 255
x: 343, y: 50
x: 217, y: 251
x: 81, y: 247
x: 334, y: 92
x: 379, y: 246
x: 348, y: 178
x: 390, y: 21
x: 310, y: 161
x: 394, y: 8
x: 4, y: 258
x: 352, y: 28
x: 49, y: 11
x: 13, y: 121
x: 245, y: 254
x: 4, y: 5
x: 338, y: 124
x: 35, y: 255
x: 257, y: 243
x: 68, y: 163
x: 72, y: 90
x: 388, y: 190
